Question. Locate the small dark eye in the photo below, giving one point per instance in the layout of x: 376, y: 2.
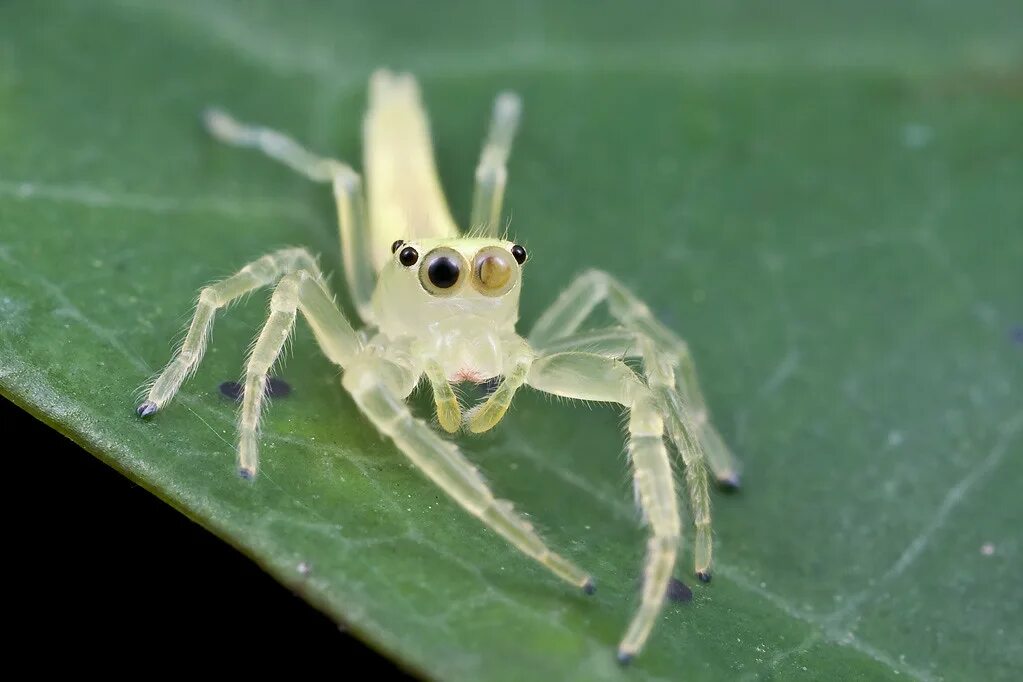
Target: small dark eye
x: 519, y: 253
x: 395, y: 245
x: 408, y: 256
x: 443, y: 273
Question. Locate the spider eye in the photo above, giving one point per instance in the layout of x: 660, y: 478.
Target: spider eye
x: 493, y: 271
x: 396, y: 245
x: 441, y: 274
x: 519, y: 253
x: 408, y: 256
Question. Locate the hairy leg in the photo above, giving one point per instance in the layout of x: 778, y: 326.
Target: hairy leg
x: 381, y: 400
x: 259, y: 273
x: 356, y: 247
x: 588, y: 376
x: 557, y: 329
x: 492, y: 171
x: 296, y: 291
x: 659, y: 369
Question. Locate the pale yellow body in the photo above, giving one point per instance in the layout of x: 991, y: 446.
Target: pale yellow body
x: 444, y: 307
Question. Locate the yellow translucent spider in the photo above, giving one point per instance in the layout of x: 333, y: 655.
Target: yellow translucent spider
x: 445, y: 306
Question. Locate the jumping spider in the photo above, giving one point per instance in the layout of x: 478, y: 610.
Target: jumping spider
x: 444, y: 306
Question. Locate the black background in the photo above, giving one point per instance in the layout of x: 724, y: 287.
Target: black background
x: 98, y: 561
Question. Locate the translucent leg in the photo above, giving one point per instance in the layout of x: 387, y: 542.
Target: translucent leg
x: 340, y: 343
x: 486, y: 415
x: 296, y: 291
x: 587, y: 376
x: 442, y: 462
x: 557, y: 329
x: 360, y: 267
x: 492, y: 171
x: 660, y: 379
x: 258, y: 273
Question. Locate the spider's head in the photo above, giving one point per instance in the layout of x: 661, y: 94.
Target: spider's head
x: 431, y: 281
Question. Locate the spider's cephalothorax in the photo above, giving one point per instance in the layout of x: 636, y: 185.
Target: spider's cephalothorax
x: 442, y: 306
x: 457, y: 298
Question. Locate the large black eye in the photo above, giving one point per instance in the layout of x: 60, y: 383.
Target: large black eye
x: 443, y: 272
x: 519, y: 253
x: 395, y: 245
x: 408, y: 256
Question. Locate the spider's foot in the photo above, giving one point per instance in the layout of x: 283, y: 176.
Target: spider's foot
x: 729, y: 482
x: 590, y: 586
x: 449, y: 414
x: 625, y: 657
x: 146, y: 409
x: 704, y: 576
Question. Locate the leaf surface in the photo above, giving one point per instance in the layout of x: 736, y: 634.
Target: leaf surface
x: 824, y: 199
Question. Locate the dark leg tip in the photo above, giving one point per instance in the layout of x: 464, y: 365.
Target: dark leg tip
x: 589, y: 587
x: 145, y: 409
x: 625, y: 658
x: 247, y: 474
x: 704, y: 576
x: 730, y: 483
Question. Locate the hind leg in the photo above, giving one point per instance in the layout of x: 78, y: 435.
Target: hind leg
x: 356, y: 246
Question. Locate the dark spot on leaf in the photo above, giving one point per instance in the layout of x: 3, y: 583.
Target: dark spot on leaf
x: 231, y: 389
x: 704, y: 576
x: 1016, y: 334
x: 679, y: 592
x: 275, y: 388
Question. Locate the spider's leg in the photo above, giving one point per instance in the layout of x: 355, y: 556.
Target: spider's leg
x: 356, y: 246
x: 256, y: 274
x: 659, y: 369
x: 588, y: 376
x: 519, y: 357
x: 449, y: 414
x: 660, y: 376
x: 339, y: 342
x: 557, y: 329
x: 445, y: 465
x: 492, y: 171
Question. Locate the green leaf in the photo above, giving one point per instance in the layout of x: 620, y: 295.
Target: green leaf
x: 824, y: 198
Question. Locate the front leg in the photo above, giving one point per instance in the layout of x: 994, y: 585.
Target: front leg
x: 378, y: 386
